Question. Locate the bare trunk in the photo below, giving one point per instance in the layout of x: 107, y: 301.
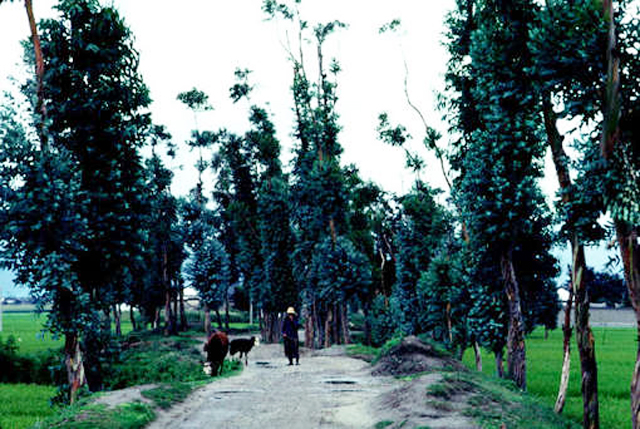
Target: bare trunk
x: 327, y: 328
x: 449, y: 327
x: 174, y: 319
x: 566, y: 360
x: 309, y: 323
x: 250, y: 312
x: 516, y: 358
x: 478, y: 356
x: 344, y: 317
x: 226, y: 311
x: 183, y: 315
x: 367, y: 324
x: 168, y: 329
x: 584, y: 335
x: 74, y: 364
x: 207, y: 319
x: 132, y: 318
x: 37, y: 49
x: 499, y: 364
x: 156, y: 319
x: 629, y: 250
x: 219, y: 319
x: 116, y: 315
x: 586, y: 344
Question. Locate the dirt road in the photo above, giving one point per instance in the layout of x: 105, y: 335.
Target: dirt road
x: 327, y: 389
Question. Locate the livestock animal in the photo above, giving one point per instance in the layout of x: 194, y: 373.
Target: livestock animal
x: 243, y: 346
x: 217, y: 346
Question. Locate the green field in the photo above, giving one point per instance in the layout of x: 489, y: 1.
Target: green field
x: 22, y: 405
x: 615, y: 352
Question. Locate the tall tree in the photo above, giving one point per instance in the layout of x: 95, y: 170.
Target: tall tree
x: 97, y: 126
x: 500, y: 167
x: 319, y: 194
x: 620, y: 151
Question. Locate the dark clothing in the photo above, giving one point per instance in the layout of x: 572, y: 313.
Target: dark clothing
x: 290, y: 328
x: 290, y: 335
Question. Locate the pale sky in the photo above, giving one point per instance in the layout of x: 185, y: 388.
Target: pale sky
x: 199, y: 43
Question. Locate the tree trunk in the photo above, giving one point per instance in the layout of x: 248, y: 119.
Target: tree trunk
x: 309, y: 323
x: 226, y: 311
x: 132, y: 318
x: 168, y: 328
x: 566, y: 360
x: 344, y: 317
x: 37, y: 49
x: 629, y: 250
x: 250, y: 312
x: 584, y: 336
x: 478, y: 356
x: 327, y: 327
x: 74, y: 364
x: 586, y: 343
x: 156, y: 319
x: 516, y: 358
x: 367, y: 324
x: 174, y: 314
x: 207, y: 320
x: 183, y: 315
x: 499, y: 364
x: 219, y: 318
x: 116, y: 316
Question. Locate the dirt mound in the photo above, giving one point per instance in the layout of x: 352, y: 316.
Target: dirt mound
x: 412, y: 356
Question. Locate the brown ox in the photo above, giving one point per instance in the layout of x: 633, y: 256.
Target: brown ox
x: 216, y: 347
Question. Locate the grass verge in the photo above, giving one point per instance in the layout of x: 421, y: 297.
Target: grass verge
x: 493, y: 403
x: 126, y: 416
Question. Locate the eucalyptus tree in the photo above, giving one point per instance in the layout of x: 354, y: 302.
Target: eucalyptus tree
x: 278, y: 288
x: 601, y: 92
x: 497, y: 188
x: 319, y: 194
x: 96, y: 129
x: 556, y: 57
x: 620, y: 154
x: 197, y: 218
x: 421, y: 228
x: 164, y: 238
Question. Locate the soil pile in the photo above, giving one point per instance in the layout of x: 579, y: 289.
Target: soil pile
x: 413, y: 356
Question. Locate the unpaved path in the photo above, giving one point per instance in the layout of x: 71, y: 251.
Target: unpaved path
x: 327, y: 390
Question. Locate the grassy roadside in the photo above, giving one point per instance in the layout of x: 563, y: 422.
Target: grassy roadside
x: 172, y: 364
x: 615, y: 352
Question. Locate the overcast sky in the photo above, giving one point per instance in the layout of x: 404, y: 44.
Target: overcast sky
x: 199, y: 43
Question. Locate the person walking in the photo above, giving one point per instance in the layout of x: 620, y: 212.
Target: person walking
x: 290, y: 336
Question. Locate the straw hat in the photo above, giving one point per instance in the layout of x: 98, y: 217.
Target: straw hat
x: 290, y: 310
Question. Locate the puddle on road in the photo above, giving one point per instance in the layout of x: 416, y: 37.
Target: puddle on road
x: 340, y: 382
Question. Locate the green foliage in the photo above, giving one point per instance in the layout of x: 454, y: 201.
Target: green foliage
x: 208, y: 271
x: 338, y: 270
x: 421, y: 227
x: 384, y: 320
x: 43, y: 367
x: 154, y: 359
x: 195, y: 100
